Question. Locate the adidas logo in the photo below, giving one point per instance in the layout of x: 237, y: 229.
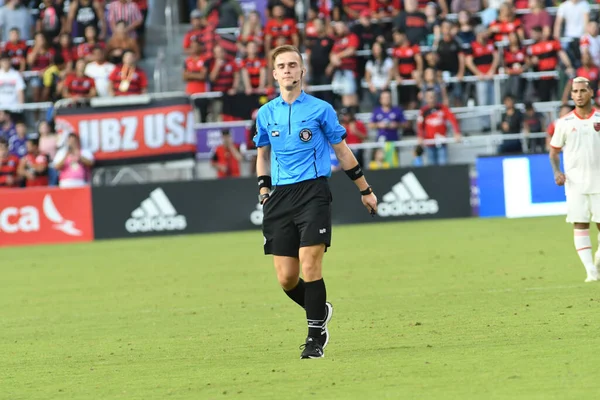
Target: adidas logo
x: 155, y: 214
x: 407, y: 198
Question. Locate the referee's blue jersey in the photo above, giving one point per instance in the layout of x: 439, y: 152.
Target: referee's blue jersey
x: 298, y: 134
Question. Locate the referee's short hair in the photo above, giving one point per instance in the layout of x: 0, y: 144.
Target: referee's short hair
x: 286, y: 49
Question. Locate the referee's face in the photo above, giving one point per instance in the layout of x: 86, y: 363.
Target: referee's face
x: 288, y: 70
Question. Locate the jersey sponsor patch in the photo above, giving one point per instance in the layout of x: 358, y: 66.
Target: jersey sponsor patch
x: 305, y: 135
x: 274, y: 133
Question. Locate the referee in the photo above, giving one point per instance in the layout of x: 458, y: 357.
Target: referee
x: 293, y: 164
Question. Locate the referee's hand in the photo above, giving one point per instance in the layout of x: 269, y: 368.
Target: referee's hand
x: 370, y: 202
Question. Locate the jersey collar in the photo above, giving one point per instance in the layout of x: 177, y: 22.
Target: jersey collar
x: 300, y: 98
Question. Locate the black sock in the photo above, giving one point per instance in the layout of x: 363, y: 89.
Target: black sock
x: 297, y: 293
x: 315, y: 296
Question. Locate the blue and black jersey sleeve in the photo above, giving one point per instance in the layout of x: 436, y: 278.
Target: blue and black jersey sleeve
x: 334, y: 132
x: 261, y: 137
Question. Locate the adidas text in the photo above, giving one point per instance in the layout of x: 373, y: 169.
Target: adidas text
x: 155, y: 214
x: 407, y: 197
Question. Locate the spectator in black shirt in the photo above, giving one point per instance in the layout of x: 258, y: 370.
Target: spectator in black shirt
x: 317, y: 54
x: 413, y: 22
x: 451, y: 61
x: 534, y: 123
x: 512, y: 122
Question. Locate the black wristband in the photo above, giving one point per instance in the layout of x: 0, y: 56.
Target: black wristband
x: 354, y: 173
x: 367, y: 191
x: 264, y: 181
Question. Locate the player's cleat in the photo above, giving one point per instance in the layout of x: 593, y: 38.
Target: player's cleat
x: 312, y: 349
x: 324, y: 331
x: 591, y: 279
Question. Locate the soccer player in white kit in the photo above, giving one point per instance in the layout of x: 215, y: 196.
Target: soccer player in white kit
x: 577, y: 135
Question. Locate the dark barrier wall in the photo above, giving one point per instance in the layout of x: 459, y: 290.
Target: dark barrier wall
x: 229, y: 205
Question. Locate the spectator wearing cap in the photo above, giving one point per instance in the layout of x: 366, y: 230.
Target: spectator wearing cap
x: 387, y: 119
x: 200, y: 32
x: 17, y: 144
x: 279, y: 26
x: 412, y: 21
x: 13, y: 86
x: 99, y: 70
x: 127, y: 12
x: 482, y: 61
x: 14, y: 14
x: 343, y: 65
x: 119, y: 43
x: 16, y: 48
x: 127, y: 78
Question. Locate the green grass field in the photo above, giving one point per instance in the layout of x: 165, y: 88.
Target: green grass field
x: 457, y: 309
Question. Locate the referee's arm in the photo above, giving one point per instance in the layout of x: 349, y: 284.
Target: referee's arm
x: 336, y: 134
x: 263, y: 158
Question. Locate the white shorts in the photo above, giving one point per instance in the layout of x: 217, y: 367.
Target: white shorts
x: 582, y: 207
x: 343, y: 83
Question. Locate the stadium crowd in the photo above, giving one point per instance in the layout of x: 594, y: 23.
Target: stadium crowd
x: 62, y: 49
x: 417, y: 51
x: 410, y: 47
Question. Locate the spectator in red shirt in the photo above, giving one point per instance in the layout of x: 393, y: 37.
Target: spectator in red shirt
x: 77, y: 85
x: 16, y: 49
x: 408, y: 65
x: 34, y: 166
x: 200, y: 32
x: 279, y: 26
x: 506, y: 23
x: 343, y: 64
x: 384, y: 8
x: 356, y: 131
x: 8, y: 166
x: 516, y: 62
x: 67, y: 51
x: 127, y: 78
x: 86, y: 49
x: 254, y: 70
x: 39, y: 57
x: 353, y: 8
x: 432, y: 124
x: 195, y: 74
x: 227, y: 157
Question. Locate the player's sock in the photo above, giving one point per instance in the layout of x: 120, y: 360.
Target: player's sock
x: 315, y: 296
x: 297, y: 293
x: 583, y: 245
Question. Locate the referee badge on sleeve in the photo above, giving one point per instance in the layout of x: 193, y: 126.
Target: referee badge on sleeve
x: 305, y: 135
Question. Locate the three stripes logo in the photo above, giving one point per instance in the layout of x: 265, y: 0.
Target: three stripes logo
x: 155, y: 214
x: 407, y: 198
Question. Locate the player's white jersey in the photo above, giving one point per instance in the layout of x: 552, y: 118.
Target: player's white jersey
x: 591, y: 44
x: 579, y: 140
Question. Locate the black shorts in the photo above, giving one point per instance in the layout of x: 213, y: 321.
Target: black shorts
x: 297, y: 215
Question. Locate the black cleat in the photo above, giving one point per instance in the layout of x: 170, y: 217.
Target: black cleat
x: 324, y: 339
x: 312, y: 349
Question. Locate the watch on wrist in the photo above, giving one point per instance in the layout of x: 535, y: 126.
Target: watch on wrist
x: 262, y: 197
x: 367, y: 191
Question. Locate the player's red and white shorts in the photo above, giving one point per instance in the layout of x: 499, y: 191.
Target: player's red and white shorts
x: 582, y: 207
